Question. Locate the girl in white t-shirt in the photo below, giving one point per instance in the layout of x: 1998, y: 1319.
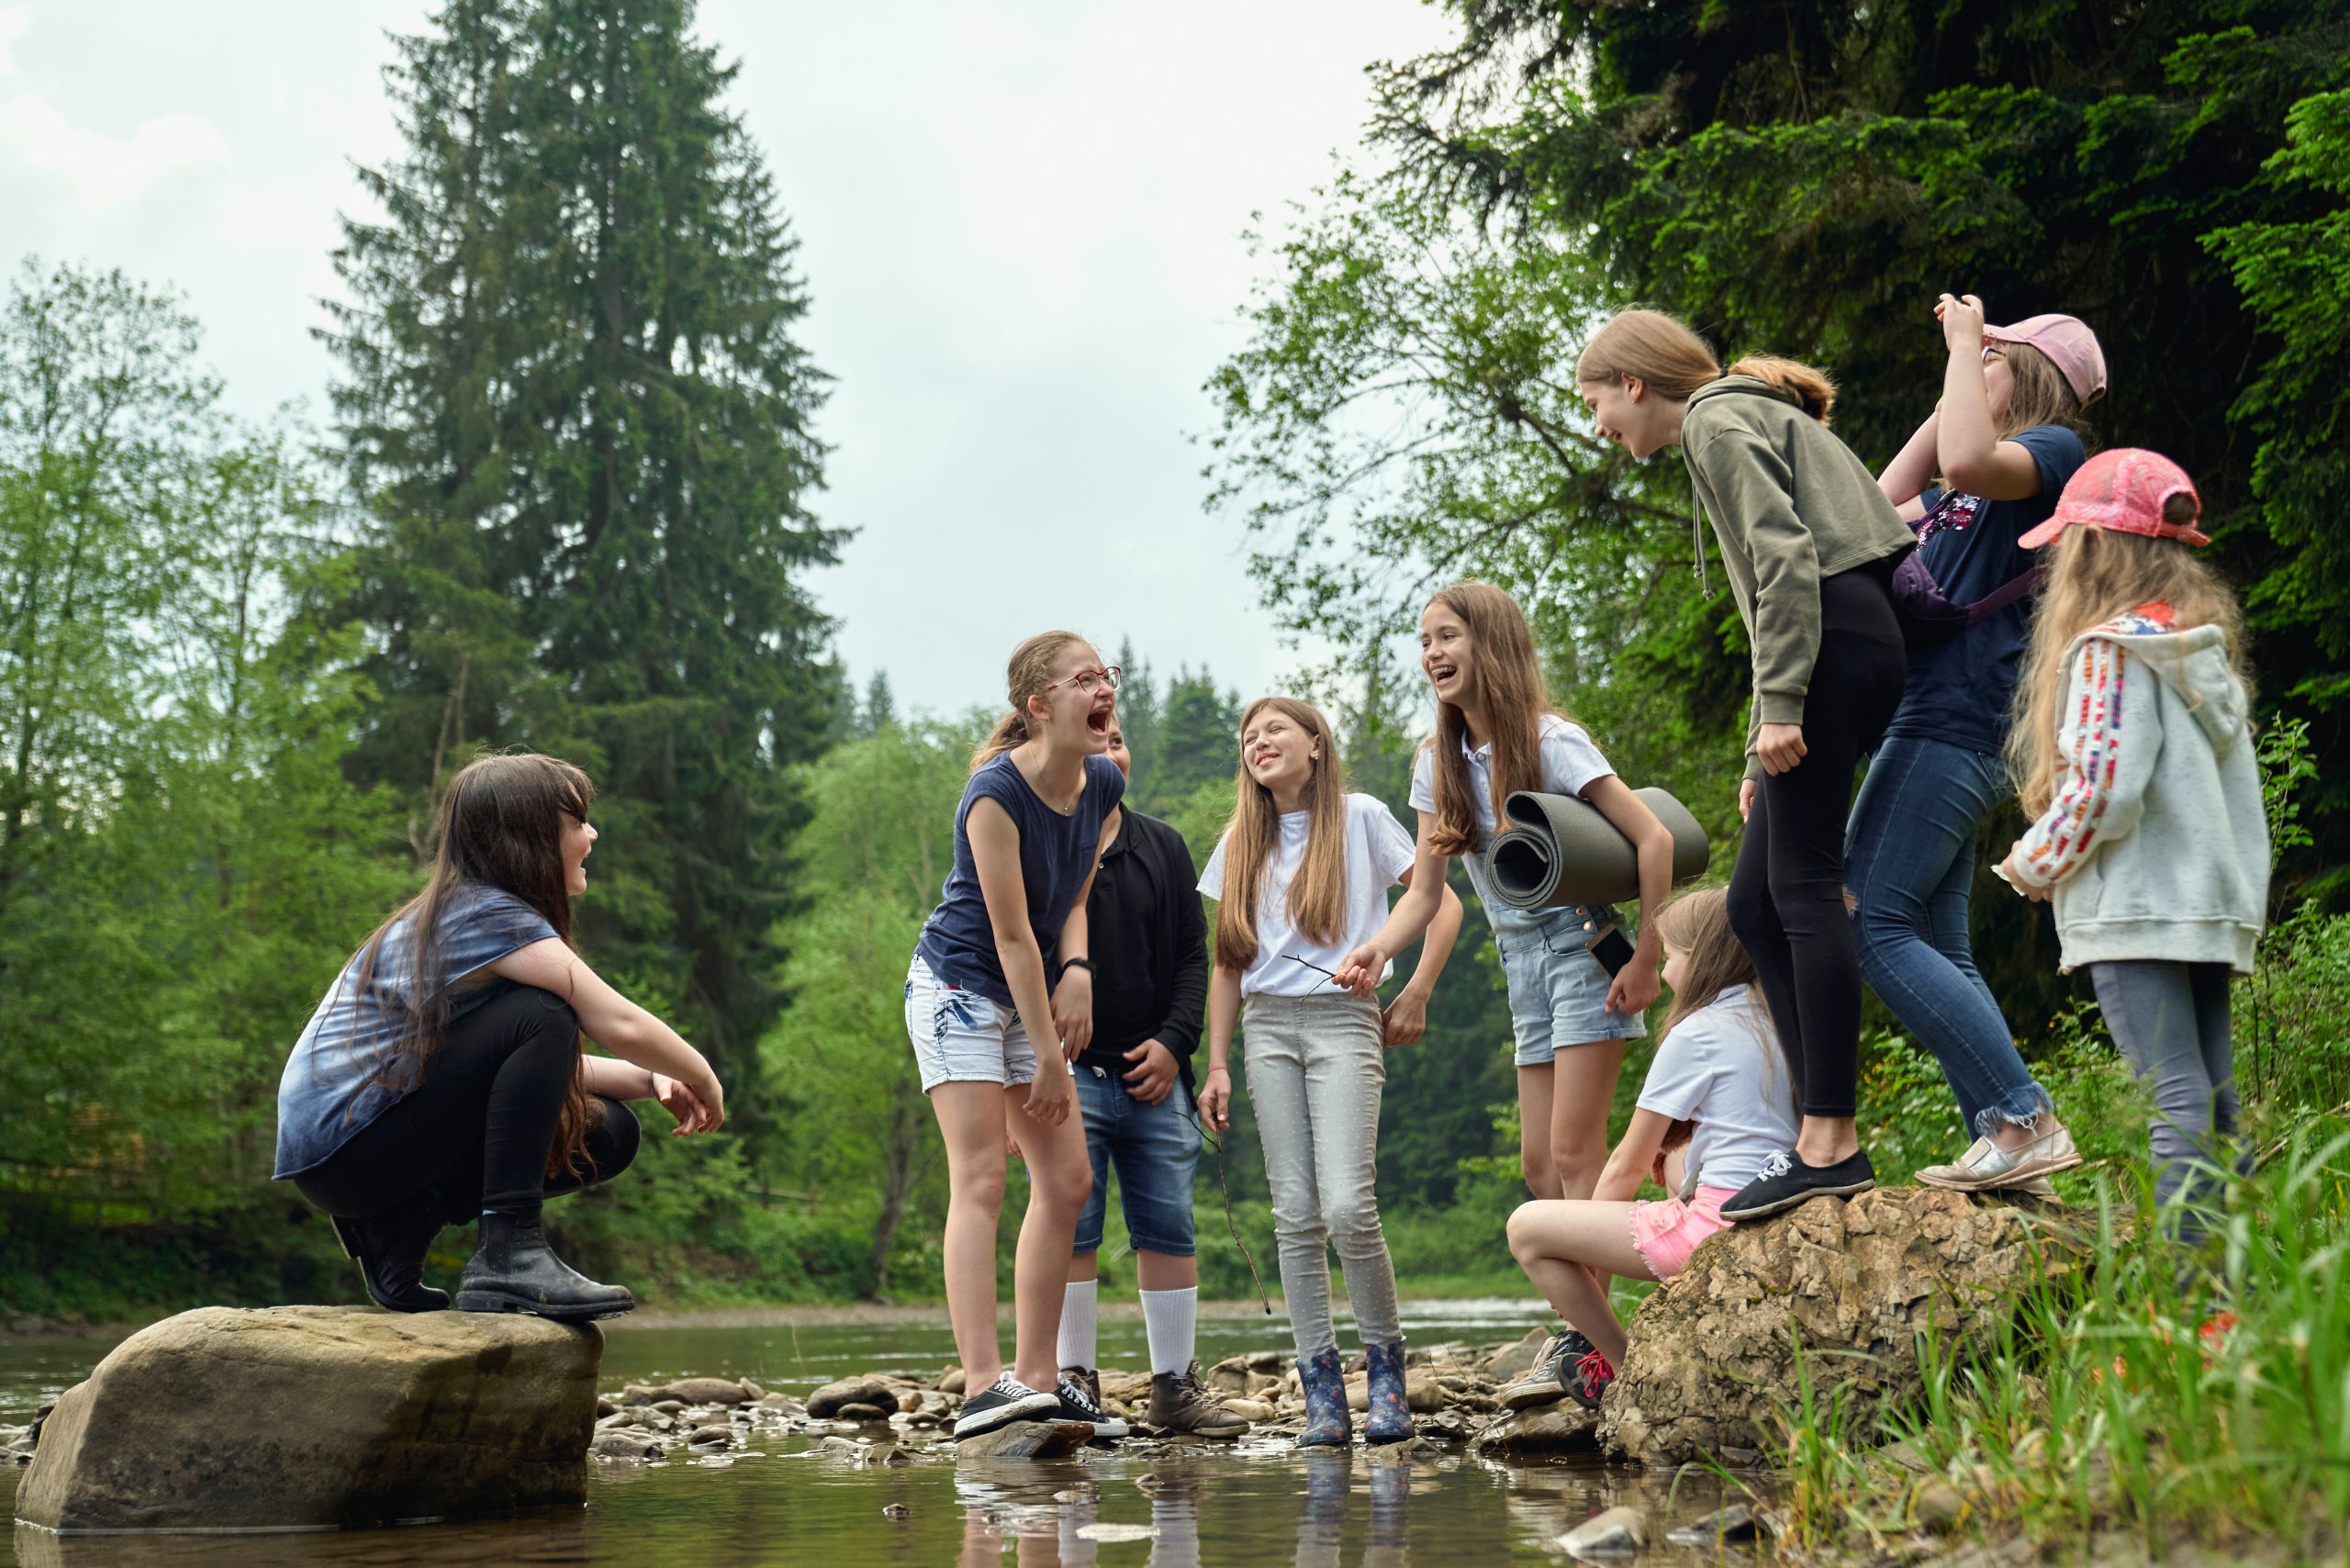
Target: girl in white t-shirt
x: 1717, y: 1102
x: 1497, y: 732
x: 1305, y: 938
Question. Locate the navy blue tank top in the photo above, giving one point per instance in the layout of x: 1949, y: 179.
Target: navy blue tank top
x: 1056, y: 854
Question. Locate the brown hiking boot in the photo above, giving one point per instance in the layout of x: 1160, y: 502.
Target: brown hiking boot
x: 1180, y: 1402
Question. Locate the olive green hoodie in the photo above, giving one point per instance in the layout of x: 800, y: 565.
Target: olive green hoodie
x: 1791, y: 505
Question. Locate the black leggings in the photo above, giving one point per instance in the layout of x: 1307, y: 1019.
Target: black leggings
x: 1786, y: 897
x: 475, y: 1134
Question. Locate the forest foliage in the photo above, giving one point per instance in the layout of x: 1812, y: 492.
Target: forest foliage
x: 568, y: 499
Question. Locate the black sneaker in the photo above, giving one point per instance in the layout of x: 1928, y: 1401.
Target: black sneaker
x: 1546, y: 1380
x: 1787, y: 1182
x: 1081, y: 1402
x: 1005, y: 1401
x: 1588, y: 1379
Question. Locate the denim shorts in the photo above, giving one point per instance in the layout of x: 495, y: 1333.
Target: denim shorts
x: 960, y: 1036
x: 1154, y: 1149
x: 1558, y: 992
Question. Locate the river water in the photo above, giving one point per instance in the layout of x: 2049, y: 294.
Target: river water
x: 786, y: 1502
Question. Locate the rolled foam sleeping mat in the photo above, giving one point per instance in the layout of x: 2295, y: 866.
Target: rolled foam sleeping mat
x: 1561, y: 850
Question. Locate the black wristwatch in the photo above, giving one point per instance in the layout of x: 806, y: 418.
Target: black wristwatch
x: 1069, y: 964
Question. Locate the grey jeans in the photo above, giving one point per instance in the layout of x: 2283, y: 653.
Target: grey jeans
x: 2171, y: 1021
x: 1316, y: 1067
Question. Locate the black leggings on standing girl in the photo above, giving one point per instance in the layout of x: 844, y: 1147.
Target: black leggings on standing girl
x: 1786, y: 896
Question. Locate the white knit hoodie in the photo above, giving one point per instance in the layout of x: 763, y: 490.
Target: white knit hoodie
x: 2156, y: 843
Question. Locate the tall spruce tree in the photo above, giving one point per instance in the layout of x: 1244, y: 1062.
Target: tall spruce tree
x: 573, y: 403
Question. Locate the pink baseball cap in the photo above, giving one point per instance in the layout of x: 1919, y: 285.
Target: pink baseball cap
x: 2069, y: 344
x: 2123, y: 489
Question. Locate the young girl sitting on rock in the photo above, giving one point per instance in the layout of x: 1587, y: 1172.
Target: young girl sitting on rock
x: 1716, y: 1104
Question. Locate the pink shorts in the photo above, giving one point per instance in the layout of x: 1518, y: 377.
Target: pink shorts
x: 1666, y: 1231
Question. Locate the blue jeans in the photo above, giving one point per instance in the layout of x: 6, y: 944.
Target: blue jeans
x: 1909, y: 854
x: 1154, y: 1149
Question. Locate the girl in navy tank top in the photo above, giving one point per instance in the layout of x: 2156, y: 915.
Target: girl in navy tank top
x: 1000, y: 1001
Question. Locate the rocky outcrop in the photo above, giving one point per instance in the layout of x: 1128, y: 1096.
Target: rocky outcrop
x: 1847, y: 1287
x: 318, y: 1415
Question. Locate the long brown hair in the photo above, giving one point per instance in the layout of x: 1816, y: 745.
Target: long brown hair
x: 1696, y: 924
x: 2099, y: 573
x: 2038, y: 394
x: 1664, y: 353
x: 1505, y: 677
x: 501, y: 827
x: 1027, y: 674
x: 1317, y: 894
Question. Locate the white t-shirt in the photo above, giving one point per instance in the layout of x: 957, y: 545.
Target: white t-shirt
x: 1721, y: 1069
x: 1570, y: 764
x: 1378, y: 854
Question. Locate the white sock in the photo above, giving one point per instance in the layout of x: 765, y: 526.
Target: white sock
x: 1168, y: 1318
x: 1078, y: 1320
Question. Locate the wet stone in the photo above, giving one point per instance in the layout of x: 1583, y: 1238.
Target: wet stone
x: 1736, y: 1522
x: 1618, y: 1532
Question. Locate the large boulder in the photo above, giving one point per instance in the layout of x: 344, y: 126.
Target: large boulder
x: 318, y: 1415
x: 1849, y: 1285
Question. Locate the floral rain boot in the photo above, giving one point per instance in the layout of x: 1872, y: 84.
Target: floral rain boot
x: 1327, y: 1424
x: 1390, y: 1419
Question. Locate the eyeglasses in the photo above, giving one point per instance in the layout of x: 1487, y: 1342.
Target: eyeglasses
x: 1091, y: 681
x: 1990, y: 354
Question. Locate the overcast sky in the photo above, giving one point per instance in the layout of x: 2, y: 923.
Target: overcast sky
x: 1020, y: 227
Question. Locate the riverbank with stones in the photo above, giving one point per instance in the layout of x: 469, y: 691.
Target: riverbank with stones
x: 1452, y: 1390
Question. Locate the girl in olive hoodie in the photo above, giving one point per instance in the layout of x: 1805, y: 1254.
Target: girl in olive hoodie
x: 1810, y: 545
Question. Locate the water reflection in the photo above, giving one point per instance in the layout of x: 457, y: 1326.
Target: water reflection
x: 542, y: 1541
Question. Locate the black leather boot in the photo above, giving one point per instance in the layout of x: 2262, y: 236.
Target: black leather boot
x: 513, y: 1270
x: 389, y: 1250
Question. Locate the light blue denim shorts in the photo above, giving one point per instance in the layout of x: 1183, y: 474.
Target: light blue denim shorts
x: 960, y: 1036
x: 1558, y: 992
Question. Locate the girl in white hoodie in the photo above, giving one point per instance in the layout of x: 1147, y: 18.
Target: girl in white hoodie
x: 2133, y: 747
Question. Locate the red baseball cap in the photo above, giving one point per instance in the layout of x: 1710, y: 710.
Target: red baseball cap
x: 2124, y: 489
x: 2069, y: 344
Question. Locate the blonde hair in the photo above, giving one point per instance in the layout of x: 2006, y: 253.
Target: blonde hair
x: 1506, y: 678
x: 1698, y: 925
x: 1027, y: 675
x: 1317, y: 893
x: 2099, y: 573
x: 1664, y: 353
x: 2038, y: 394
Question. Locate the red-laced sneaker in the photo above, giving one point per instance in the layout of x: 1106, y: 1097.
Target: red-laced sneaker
x: 1590, y: 1380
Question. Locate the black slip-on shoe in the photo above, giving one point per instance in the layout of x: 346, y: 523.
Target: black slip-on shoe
x: 1000, y: 1404
x: 1787, y: 1182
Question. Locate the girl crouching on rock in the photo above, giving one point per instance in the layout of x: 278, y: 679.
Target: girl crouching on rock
x: 1305, y: 936
x: 1716, y: 1104
x: 441, y: 1077
x: 1005, y: 953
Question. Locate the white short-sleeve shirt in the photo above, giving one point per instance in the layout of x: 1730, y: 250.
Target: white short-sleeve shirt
x: 1569, y: 763
x: 1378, y: 854
x: 1721, y: 1069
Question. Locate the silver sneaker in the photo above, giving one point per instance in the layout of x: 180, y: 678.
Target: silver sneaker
x: 1986, y: 1165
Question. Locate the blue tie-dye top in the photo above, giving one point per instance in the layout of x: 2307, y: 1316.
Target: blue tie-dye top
x: 330, y: 1088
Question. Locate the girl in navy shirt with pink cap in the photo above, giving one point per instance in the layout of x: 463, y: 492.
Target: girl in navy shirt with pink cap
x: 1986, y: 467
